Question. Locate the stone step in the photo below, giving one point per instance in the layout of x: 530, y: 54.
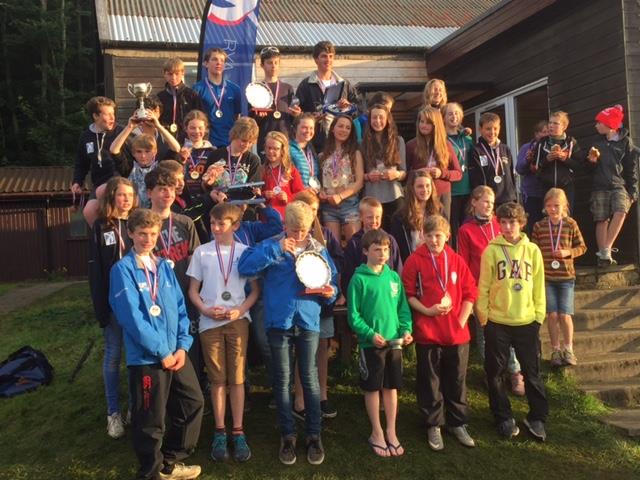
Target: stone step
x: 608, y: 277
x: 626, y: 297
x: 626, y: 421
x: 610, y: 366
x: 592, y: 342
x: 606, y: 318
x: 619, y: 394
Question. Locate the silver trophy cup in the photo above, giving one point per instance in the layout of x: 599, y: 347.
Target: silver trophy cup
x: 140, y: 91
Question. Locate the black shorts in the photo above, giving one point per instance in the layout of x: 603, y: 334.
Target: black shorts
x: 380, y: 368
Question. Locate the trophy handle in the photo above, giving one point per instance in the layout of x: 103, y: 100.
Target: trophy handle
x: 149, y: 88
x: 130, y: 89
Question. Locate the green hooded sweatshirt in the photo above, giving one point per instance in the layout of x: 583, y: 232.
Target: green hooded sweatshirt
x: 377, y: 304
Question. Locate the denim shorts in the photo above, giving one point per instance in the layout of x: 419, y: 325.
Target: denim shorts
x: 560, y: 296
x: 327, y: 329
x: 346, y: 211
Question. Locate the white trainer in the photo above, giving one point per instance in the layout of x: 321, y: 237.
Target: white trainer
x: 115, y: 426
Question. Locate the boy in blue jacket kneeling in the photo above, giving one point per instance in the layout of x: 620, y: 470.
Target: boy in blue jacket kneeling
x: 292, y: 318
x: 166, y: 399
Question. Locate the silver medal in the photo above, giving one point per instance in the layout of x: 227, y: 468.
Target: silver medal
x: 219, y: 113
x: 497, y: 179
x: 555, y: 264
x: 277, y: 190
x: 155, y: 310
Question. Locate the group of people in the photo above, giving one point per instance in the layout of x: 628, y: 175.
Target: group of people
x: 198, y: 240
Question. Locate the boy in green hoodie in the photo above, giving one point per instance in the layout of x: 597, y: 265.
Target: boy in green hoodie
x: 379, y: 314
x: 511, y: 306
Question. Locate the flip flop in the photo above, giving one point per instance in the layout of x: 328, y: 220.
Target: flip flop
x: 393, y: 449
x: 374, y: 447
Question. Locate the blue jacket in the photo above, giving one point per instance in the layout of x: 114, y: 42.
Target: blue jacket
x: 284, y: 306
x: 251, y: 232
x: 148, y: 339
x: 231, y: 107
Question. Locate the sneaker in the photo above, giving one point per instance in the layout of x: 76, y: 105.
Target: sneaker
x: 328, y: 410
x: 299, y: 414
x: 508, y: 428
x: 241, y: 451
x: 536, y: 429
x: 115, y: 427
x: 569, y: 358
x: 434, y: 439
x: 556, y: 358
x: 517, y: 384
x: 181, y: 472
x: 219, y: 449
x: 462, y: 436
x: 287, y: 453
x: 315, y: 450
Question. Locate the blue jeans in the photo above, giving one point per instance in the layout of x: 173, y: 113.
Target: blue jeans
x: 281, y: 343
x: 111, y: 364
x: 260, y: 338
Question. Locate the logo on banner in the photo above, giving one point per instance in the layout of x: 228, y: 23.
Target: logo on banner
x: 224, y: 12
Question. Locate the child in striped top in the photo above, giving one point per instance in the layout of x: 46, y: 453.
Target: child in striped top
x: 560, y: 241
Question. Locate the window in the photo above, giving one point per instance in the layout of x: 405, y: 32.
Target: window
x: 190, y: 73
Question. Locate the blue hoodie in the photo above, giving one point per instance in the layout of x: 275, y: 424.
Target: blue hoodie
x: 148, y: 339
x: 284, y: 306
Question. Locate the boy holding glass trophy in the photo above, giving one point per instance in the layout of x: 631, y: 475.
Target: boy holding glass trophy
x: 299, y: 276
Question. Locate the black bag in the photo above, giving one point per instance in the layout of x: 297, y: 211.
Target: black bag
x: 23, y: 371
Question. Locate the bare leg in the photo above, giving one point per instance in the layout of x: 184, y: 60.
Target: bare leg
x: 372, y: 404
x: 236, y: 396
x: 566, y: 325
x: 390, y: 401
x: 615, y: 225
x: 348, y: 230
x: 218, y: 403
x: 90, y: 212
x: 554, y: 330
x: 601, y: 234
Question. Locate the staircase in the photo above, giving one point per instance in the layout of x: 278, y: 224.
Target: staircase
x: 607, y: 342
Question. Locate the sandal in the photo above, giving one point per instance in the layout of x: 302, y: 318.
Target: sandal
x: 393, y: 449
x: 377, y: 448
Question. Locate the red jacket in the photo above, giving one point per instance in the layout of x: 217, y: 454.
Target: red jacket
x: 442, y: 329
x: 291, y: 187
x: 452, y: 174
x: 472, y: 242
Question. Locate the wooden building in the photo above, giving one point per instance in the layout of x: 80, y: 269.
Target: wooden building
x: 523, y: 59
x: 379, y: 48
x: 41, y: 234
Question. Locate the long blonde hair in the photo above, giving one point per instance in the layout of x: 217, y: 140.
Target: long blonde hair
x: 285, y: 159
x: 427, y: 94
x: 557, y: 194
x: 436, y: 142
x: 107, y: 203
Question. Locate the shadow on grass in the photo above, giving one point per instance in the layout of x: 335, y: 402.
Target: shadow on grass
x: 58, y: 432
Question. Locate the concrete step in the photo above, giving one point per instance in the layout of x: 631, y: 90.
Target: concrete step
x: 606, y: 318
x: 610, y: 367
x: 608, y: 277
x: 626, y: 297
x: 627, y: 421
x: 619, y: 394
x: 591, y: 342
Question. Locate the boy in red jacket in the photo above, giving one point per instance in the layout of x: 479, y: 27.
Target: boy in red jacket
x: 441, y: 292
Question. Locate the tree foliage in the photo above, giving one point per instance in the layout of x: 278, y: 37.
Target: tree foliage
x: 47, y: 72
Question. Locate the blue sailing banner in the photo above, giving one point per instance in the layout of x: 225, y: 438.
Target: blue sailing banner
x: 232, y: 26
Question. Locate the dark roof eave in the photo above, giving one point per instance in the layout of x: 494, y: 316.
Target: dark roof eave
x: 134, y: 45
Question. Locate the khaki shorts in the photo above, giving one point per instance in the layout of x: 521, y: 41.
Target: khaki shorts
x: 225, y: 352
x: 605, y: 203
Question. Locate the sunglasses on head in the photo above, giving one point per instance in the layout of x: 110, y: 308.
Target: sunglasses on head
x: 266, y: 50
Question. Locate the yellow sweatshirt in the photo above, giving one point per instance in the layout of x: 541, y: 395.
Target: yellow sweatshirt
x: 511, y: 284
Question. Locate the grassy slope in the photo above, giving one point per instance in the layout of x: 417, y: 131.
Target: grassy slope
x: 58, y: 431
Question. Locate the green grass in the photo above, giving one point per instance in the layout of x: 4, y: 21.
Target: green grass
x: 58, y: 432
x: 6, y: 287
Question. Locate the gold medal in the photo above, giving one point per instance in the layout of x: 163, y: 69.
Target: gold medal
x: 173, y: 128
x: 155, y: 310
x: 277, y: 114
x: 194, y: 174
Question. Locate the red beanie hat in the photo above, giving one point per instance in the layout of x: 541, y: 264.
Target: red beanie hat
x: 611, y: 117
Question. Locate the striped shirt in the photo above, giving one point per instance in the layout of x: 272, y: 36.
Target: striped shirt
x: 570, y: 239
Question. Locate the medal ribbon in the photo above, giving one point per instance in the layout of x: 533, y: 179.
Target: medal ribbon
x: 225, y: 273
x: 232, y: 172
x: 174, y: 92
x: 120, y: 240
x: 493, y: 233
x: 334, y: 164
x: 508, y: 258
x: 217, y: 101
x: 555, y: 244
x: 276, y: 95
x: 461, y: 152
x: 100, y: 145
x: 443, y: 283
x: 153, y: 288
x: 277, y: 180
x: 167, y: 245
x: 308, y: 154
x: 494, y: 157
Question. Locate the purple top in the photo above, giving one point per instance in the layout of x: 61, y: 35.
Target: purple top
x: 531, y: 186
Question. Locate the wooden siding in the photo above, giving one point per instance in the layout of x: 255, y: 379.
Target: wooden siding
x: 36, y: 240
x: 579, y: 46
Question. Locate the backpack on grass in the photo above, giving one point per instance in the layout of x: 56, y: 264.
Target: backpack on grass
x: 23, y: 371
